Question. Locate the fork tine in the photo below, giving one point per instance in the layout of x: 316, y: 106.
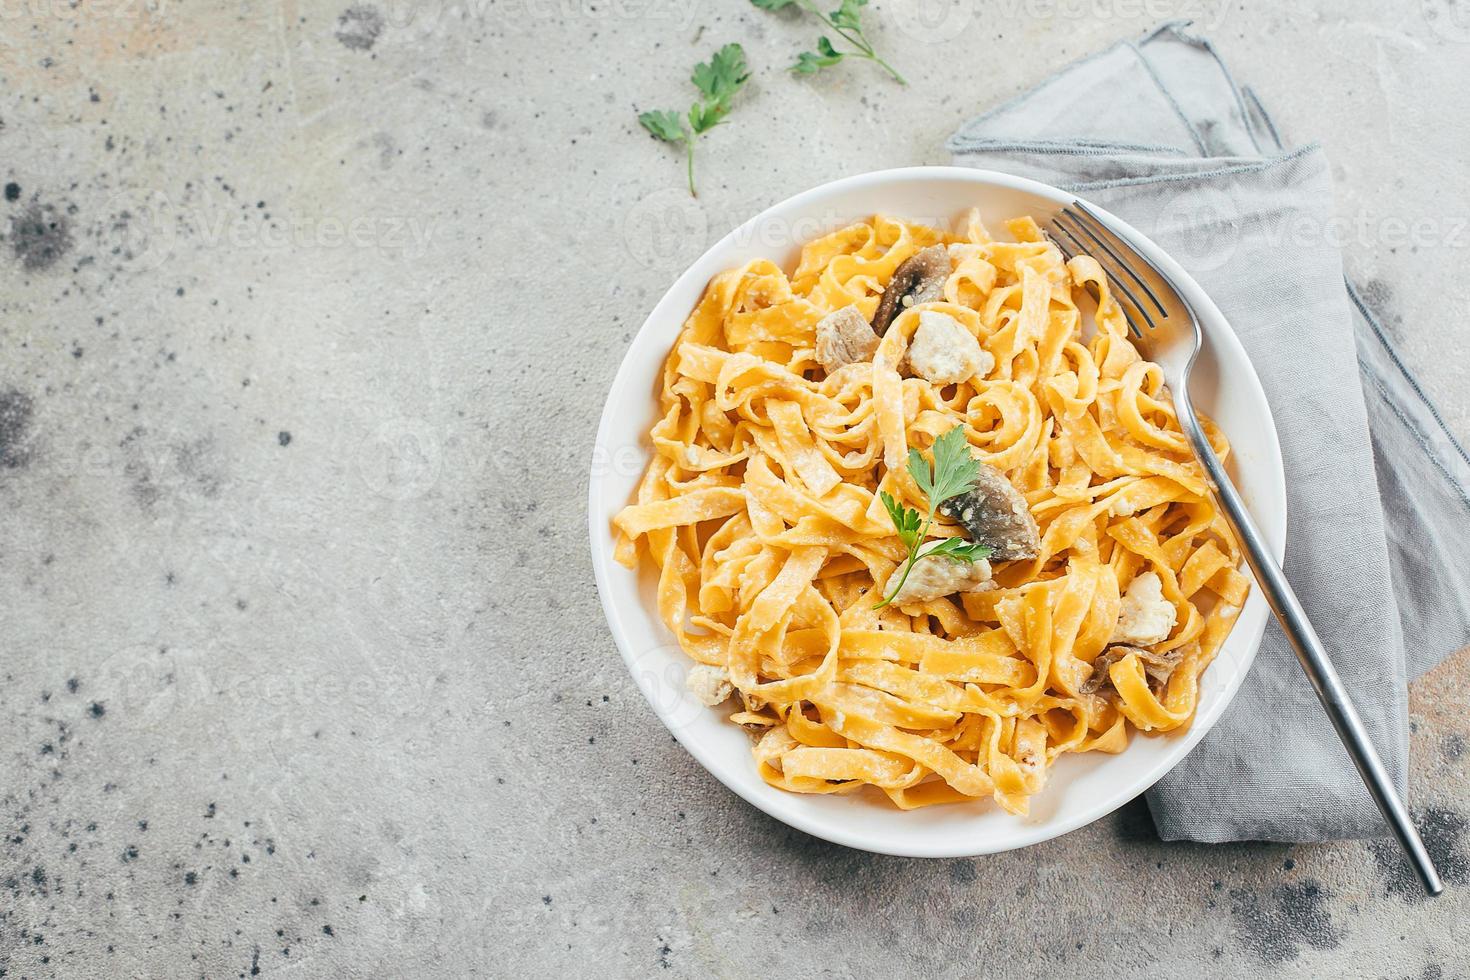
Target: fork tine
x: 1118, y: 268
x: 1081, y: 249
x: 1092, y: 225
x: 1120, y: 285
x: 1060, y: 247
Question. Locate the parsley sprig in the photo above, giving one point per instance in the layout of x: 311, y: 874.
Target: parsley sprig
x: 954, y: 472
x: 717, y: 80
x: 846, y: 23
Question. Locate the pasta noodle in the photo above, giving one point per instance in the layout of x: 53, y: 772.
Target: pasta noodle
x: 760, y: 511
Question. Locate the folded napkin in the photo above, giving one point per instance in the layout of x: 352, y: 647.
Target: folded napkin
x: 1378, y: 491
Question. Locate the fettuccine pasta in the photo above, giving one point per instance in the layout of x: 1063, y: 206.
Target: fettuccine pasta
x: 760, y: 510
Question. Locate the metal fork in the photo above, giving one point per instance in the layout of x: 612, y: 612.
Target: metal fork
x: 1168, y: 333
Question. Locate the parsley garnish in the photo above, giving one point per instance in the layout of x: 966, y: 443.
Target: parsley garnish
x: 846, y: 22
x: 717, y: 80
x: 954, y: 472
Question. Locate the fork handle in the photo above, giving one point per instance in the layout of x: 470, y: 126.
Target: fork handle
x: 1313, y: 657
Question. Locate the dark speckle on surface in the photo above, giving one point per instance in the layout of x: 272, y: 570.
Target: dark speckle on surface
x: 39, y: 236
x: 1277, y: 925
x: 283, y: 437
x: 197, y: 462
x: 97, y: 709
x: 1443, y: 831
x: 12, y: 191
x: 15, y: 428
x: 359, y: 27
x: 1378, y: 294
x: 962, y: 872
x: 1454, y: 747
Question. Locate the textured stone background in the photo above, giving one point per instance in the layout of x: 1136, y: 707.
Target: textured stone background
x: 307, y: 312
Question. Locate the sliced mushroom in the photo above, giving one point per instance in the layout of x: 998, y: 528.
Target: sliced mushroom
x: 995, y: 514
x: 920, y: 278
x: 1158, y: 666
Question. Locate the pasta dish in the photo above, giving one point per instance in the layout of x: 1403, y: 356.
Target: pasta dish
x: 924, y: 517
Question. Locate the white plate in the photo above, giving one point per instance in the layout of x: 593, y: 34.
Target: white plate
x: 1080, y: 788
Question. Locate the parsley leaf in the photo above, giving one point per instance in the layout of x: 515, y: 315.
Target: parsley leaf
x: 808, y: 63
x: 721, y: 77
x: 955, y: 467
x: 961, y: 549
x: 846, y: 23
x: 848, y: 15
x: 717, y: 80
x: 953, y: 473
x: 905, y: 520
x: 703, y: 118
x: 663, y: 124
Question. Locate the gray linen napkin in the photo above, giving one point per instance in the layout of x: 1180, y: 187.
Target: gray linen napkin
x: 1157, y: 131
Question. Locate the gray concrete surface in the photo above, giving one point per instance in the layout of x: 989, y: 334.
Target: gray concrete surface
x: 302, y: 672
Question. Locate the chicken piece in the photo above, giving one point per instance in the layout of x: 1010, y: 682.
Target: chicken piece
x: 1147, y: 617
x: 843, y: 338
x: 920, y: 278
x: 938, y: 576
x: 1158, y: 666
x: 944, y: 352
x: 711, y: 685
x: 996, y: 515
